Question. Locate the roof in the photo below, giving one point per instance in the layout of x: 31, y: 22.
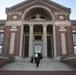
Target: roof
x: 73, y: 21
x: 48, y: 1
x: 2, y: 22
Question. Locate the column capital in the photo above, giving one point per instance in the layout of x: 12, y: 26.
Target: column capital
x: 44, y: 25
x: 31, y: 25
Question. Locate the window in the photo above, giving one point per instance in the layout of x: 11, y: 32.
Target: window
x: 74, y: 37
x: 37, y: 37
x: 1, y: 37
x: 74, y: 49
x: 0, y: 49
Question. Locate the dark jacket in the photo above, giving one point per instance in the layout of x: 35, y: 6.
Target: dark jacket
x: 37, y: 60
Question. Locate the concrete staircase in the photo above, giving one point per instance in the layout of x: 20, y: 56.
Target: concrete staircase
x: 46, y: 64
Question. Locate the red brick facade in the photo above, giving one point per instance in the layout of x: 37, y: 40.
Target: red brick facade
x: 58, y: 41
x: 16, y: 23
x: 17, y: 41
x: 69, y: 41
x: 7, y: 38
x: 6, y: 42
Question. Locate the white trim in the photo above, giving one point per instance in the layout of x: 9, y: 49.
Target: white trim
x: 13, y: 23
x: 0, y: 49
x: 13, y: 29
x: 63, y: 43
x: 57, y: 13
x: 63, y: 23
x: 38, y: 22
x: 73, y: 30
x: 75, y: 43
x: 12, y: 43
x: 62, y: 29
x: 0, y: 42
x: 19, y: 13
x: 36, y: 6
x: 1, y: 30
x: 19, y: 23
x: 75, y: 50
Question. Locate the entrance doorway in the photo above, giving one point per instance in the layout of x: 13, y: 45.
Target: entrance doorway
x: 38, y: 41
x: 38, y: 50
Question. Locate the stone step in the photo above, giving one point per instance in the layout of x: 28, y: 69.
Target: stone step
x: 46, y: 64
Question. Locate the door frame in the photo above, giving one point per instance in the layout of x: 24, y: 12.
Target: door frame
x: 39, y: 43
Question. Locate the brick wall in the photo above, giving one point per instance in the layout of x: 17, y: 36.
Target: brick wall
x: 69, y: 40
x: 17, y: 41
x: 7, y: 38
x: 6, y: 42
x: 58, y: 41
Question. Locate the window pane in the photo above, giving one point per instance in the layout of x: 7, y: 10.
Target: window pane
x: 74, y: 37
x: 37, y: 37
x: 74, y: 49
x: 1, y: 37
x: 0, y: 49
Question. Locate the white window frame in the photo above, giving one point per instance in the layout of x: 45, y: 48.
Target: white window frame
x: 0, y: 49
x: 74, y: 49
x: 74, y: 37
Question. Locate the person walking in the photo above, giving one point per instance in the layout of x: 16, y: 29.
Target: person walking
x: 31, y: 59
x: 37, y: 60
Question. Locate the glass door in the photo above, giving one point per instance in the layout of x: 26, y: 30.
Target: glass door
x: 38, y: 48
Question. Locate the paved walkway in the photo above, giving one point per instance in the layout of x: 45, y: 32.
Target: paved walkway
x: 46, y: 64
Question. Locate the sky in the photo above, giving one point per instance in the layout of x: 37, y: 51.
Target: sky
x: 67, y: 3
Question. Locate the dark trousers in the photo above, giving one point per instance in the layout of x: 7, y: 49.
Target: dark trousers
x: 37, y: 61
x: 37, y: 64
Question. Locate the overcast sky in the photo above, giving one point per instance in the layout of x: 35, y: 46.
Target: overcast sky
x: 8, y: 3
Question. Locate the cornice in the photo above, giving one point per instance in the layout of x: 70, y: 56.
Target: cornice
x: 47, y: 1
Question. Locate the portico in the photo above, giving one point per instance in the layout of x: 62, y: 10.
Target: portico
x: 37, y: 26
x: 45, y: 23
x: 38, y: 34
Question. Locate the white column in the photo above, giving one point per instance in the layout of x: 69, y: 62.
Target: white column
x: 31, y: 41
x: 45, y: 40
x: 54, y: 39
x: 63, y: 42
x: 21, y: 41
x: 12, y: 43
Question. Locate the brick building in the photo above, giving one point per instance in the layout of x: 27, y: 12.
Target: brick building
x: 38, y: 26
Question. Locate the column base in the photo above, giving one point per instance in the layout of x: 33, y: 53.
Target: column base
x: 57, y: 58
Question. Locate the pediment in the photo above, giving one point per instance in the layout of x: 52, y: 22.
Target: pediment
x: 28, y: 3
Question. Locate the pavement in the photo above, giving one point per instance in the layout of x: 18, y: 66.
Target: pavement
x: 46, y: 64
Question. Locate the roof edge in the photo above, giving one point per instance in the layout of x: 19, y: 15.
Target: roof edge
x: 2, y: 22
x: 49, y: 1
